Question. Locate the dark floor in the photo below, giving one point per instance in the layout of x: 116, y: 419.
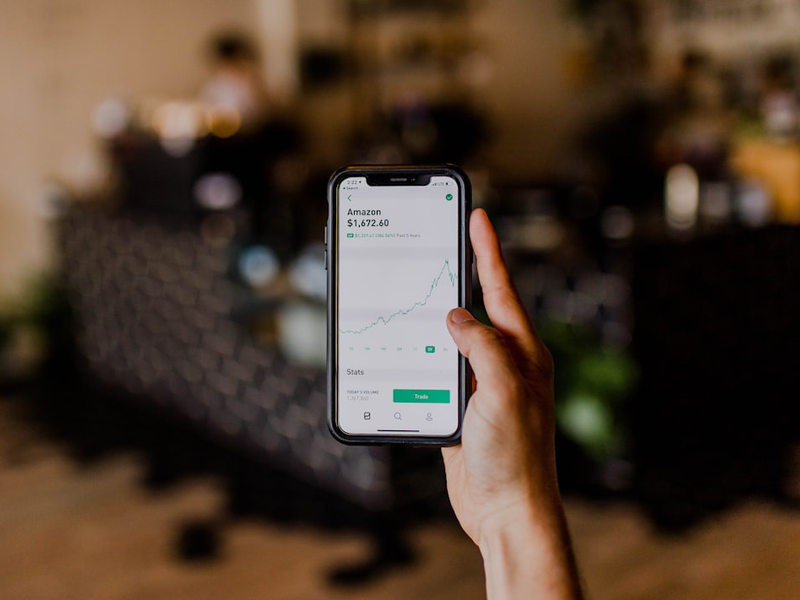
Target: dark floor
x: 88, y: 514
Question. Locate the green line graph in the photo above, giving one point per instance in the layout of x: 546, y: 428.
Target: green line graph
x: 445, y: 272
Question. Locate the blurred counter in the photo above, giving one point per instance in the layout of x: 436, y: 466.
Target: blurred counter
x: 155, y: 307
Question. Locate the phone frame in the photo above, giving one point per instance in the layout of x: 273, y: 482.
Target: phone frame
x: 396, y: 175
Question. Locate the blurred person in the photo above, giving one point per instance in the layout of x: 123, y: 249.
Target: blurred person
x: 247, y: 135
x: 235, y: 92
x: 697, y: 118
x: 502, y: 478
x: 234, y: 101
x: 779, y: 101
x: 694, y: 87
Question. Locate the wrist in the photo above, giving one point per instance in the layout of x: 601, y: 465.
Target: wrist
x: 527, y: 552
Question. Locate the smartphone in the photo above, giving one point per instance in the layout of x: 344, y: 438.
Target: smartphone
x: 398, y: 260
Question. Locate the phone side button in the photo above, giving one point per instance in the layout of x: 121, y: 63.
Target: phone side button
x: 325, y: 259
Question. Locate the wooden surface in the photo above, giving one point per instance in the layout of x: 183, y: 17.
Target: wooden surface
x: 71, y: 531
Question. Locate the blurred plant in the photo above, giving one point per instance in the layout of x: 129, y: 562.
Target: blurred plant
x: 5, y: 332
x: 33, y: 327
x: 593, y: 383
x: 47, y: 307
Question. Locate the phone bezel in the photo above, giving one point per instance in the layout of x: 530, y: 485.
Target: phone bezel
x: 397, y: 175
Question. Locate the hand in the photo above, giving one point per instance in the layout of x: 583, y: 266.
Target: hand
x: 502, y: 478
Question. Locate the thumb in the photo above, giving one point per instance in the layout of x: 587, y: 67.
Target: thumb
x: 483, y: 346
x: 462, y: 327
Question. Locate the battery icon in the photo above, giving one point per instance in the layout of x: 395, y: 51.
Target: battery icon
x: 430, y: 349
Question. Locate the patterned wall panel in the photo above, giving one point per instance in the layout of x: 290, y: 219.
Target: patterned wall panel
x: 154, y: 305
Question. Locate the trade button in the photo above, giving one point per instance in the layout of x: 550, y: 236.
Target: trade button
x: 421, y: 396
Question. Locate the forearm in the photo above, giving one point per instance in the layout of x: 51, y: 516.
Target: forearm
x: 530, y: 557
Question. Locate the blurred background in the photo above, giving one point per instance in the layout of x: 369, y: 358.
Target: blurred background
x: 162, y: 291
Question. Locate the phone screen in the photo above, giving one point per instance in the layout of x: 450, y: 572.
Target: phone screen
x: 398, y: 272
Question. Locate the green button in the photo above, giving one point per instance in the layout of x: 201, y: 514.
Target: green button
x: 422, y: 396
x: 430, y: 349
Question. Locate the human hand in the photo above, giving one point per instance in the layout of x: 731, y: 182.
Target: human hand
x: 502, y: 478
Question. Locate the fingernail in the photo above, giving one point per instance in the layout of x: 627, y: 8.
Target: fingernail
x: 460, y: 315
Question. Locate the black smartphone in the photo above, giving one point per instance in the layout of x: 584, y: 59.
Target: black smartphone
x: 398, y: 260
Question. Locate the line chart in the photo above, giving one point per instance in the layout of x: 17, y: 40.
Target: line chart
x: 445, y: 273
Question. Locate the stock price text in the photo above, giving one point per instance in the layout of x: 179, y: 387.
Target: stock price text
x: 367, y: 222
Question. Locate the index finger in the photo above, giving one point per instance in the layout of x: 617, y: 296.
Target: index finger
x: 485, y: 348
x: 500, y: 297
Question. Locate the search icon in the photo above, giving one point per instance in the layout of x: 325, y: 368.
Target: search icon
x: 398, y: 416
